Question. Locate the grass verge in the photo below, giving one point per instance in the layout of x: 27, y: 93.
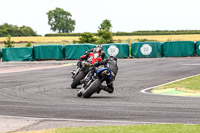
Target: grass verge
x: 154, y: 128
x: 188, y: 84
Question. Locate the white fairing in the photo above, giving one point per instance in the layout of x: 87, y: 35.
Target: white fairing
x: 96, y: 55
x: 90, y: 59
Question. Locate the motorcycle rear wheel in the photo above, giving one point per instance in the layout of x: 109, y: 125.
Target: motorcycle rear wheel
x: 94, y: 86
x: 77, y: 80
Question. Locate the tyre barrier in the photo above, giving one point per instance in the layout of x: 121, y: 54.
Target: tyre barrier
x: 120, y: 50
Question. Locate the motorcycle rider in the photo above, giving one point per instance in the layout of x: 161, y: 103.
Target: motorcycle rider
x: 97, y: 49
x: 110, y: 63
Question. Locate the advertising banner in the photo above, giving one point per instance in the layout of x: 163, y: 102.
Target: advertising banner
x: 198, y: 48
x: 120, y: 50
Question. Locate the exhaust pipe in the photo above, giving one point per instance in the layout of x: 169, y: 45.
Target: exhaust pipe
x: 106, y: 72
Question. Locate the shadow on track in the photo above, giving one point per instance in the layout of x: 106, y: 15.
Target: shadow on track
x: 101, y: 97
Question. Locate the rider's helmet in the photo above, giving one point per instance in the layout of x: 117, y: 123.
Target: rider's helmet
x: 98, y: 49
x: 112, y: 58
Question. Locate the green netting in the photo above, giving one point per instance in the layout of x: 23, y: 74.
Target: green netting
x: 198, y: 48
x: 17, y: 54
x: 75, y: 51
x: 146, y: 49
x: 178, y: 49
x: 0, y: 54
x: 50, y: 52
x: 120, y: 50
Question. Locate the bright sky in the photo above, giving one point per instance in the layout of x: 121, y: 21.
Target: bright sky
x: 125, y: 15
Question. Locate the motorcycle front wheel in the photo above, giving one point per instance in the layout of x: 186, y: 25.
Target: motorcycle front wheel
x: 94, y: 86
x: 77, y: 79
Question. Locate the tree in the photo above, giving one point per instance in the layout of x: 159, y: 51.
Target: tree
x: 87, y: 37
x: 14, y: 30
x: 6, y: 29
x: 104, y: 33
x: 105, y: 25
x: 61, y: 21
x: 104, y: 37
x: 26, y: 31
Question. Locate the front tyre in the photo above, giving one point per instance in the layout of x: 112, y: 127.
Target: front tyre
x: 77, y: 79
x: 79, y: 94
x: 94, y: 86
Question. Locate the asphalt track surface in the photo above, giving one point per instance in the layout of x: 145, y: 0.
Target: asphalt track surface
x: 46, y: 93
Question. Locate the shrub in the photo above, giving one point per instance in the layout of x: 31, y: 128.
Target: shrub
x: 144, y: 40
x: 87, y: 37
x: 119, y: 41
x: 8, y: 42
x: 104, y: 36
x: 28, y: 44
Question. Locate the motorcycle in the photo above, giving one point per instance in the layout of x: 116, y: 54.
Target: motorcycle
x: 81, y: 72
x: 93, y: 85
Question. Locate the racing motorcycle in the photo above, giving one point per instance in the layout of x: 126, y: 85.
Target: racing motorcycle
x: 81, y: 72
x: 93, y: 85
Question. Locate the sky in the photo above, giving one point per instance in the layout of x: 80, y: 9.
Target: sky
x: 125, y: 15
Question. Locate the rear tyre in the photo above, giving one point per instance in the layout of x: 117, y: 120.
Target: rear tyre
x: 94, y: 86
x: 77, y: 79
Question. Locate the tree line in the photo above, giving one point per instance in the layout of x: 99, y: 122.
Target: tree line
x: 13, y: 30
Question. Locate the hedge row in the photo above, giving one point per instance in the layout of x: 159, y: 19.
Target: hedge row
x: 138, y: 33
x: 158, y: 32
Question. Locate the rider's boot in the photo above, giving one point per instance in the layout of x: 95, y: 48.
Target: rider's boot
x: 107, y: 89
x: 73, y: 72
x: 98, y: 91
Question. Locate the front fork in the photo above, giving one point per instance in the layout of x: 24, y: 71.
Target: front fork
x: 75, y: 72
x: 88, y: 81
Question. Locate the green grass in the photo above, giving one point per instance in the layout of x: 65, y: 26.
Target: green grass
x: 166, y: 128
x: 187, y: 84
x: 154, y: 128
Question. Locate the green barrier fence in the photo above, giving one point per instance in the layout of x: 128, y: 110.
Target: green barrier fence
x: 0, y: 54
x: 49, y: 52
x: 146, y: 49
x: 17, y: 54
x: 178, y: 49
x: 120, y: 50
x: 75, y: 51
x: 198, y: 48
